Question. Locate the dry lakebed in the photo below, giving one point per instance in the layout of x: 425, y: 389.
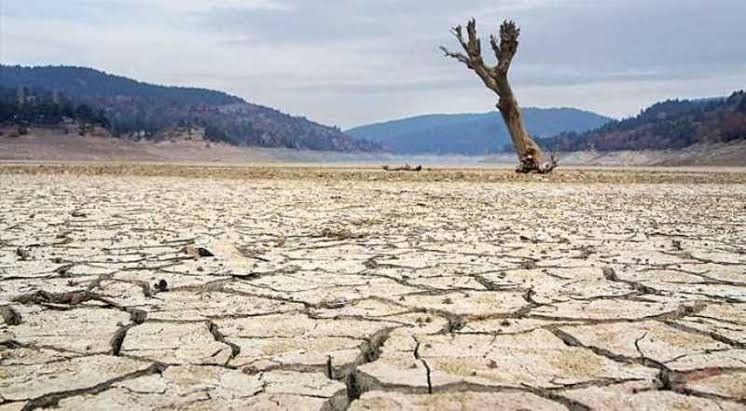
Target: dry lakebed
x: 136, y: 286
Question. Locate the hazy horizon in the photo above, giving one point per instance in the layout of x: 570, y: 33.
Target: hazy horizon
x: 358, y: 62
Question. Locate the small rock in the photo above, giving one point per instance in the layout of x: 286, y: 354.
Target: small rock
x: 197, y: 252
x: 22, y: 254
x: 203, y: 252
x: 137, y: 316
x: 161, y: 285
x: 10, y: 316
x: 338, y: 302
x: 528, y: 265
x: 78, y: 213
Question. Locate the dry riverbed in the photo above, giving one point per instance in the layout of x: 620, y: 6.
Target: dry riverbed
x: 150, y: 286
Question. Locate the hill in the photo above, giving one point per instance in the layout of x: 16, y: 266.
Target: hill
x: 672, y: 124
x: 472, y: 134
x: 130, y: 108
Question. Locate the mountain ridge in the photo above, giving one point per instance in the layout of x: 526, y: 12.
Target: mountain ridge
x: 470, y: 133
x: 669, y: 124
x: 137, y: 109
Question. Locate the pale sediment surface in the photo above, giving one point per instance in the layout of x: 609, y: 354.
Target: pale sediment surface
x: 141, y: 292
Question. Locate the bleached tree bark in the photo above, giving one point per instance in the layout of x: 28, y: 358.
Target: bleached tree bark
x: 496, y: 79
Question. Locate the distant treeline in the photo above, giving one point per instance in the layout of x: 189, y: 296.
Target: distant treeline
x: 670, y: 124
x: 25, y: 106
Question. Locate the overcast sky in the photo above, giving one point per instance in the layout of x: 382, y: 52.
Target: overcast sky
x: 349, y: 62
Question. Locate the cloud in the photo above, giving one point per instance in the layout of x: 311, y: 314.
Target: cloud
x: 353, y: 61
x: 202, y: 5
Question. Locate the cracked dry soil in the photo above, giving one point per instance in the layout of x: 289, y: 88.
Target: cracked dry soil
x: 134, y: 292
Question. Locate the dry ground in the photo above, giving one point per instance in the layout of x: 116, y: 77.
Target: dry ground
x: 51, y: 145
x: 145, y: 286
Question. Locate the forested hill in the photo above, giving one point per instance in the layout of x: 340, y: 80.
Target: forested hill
x: 133, y: 108
x: 670, y: 124
x: 90, y: 84
x: 472, y: 134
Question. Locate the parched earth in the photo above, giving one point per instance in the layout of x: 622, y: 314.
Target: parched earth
x: 136, y: 292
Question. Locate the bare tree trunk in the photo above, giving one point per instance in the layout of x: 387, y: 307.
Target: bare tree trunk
x: 529, y: 154
x: 496, y: 79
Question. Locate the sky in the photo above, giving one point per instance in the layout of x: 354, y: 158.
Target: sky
x: 352, y: 62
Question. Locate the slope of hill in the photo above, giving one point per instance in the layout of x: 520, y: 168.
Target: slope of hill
x: 672, y: 124
x: 137, y: 109
x: 473, y: 134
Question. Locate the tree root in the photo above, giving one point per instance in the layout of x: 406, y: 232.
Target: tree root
x: 530, y: 166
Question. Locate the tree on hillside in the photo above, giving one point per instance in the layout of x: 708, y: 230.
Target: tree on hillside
x: 742, y: 105
x: 496, y: 79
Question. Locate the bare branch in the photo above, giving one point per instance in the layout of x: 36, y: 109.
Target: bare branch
x: 495, y: 47
x: 473, y: 57
x: 458, y: 56
x: 474, y: 47
x: 509, y: 33
x: 458, y: 32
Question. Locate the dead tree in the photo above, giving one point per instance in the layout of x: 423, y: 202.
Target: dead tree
x: 496, y: 79
x: 406, y: 167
